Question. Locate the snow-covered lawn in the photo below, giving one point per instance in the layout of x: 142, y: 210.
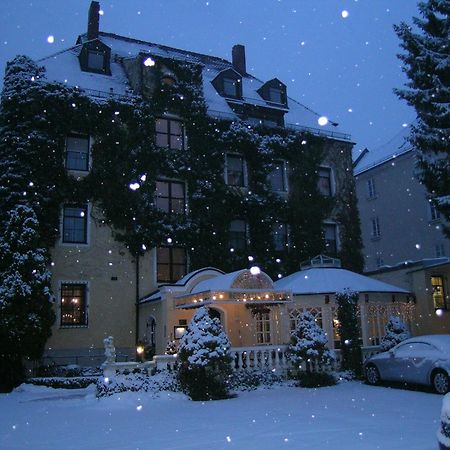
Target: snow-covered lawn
x: 347, y: 416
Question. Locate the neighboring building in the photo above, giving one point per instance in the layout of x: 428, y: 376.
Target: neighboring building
x: 163, y: 162
x: 428, y: 279
x: 398, y: 221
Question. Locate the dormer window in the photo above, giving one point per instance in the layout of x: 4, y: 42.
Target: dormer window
x: 228, y: 83
x: 275, y: 95
x: 95, y: 57
x: 230, y: 87
x: 274, y: 91
x: 95, y: 60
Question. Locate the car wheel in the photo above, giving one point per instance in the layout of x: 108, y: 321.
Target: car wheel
x: 372, y: 374
x: 441, y: 382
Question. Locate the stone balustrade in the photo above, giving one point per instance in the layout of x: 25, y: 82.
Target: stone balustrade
x: 272, y: 357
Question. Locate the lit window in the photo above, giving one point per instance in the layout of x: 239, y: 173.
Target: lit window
x: 325, y: 181
x: 277, y: 177
x: 371, y: 190
x: 238, y: 234
x: 73, y: 305
x: 375, y: 227
x: 235, y: 170
x: 280, y: 236
x: 77, y: 152
x: 75, y: 224
x: 330, y: 233
x: 262, y: 322
x: 95, y: 60
x: 169, y: 134
x: 170, y: 197
x: 230, y: 87
x: 171, y: 264
x: 438, y: 292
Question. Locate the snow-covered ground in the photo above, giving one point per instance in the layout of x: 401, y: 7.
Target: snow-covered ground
x: 347, y: 416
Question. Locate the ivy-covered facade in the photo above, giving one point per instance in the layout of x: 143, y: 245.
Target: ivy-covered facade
x: 144, y: 162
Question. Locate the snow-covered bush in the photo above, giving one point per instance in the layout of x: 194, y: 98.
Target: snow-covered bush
x: 348, y: 328
x: 396, y: 331
x: 163, y: 380
x: 444, y: 429
x: 249, y: 380
x: 205, y: 365
x: 26, y: 313
x: 309, y: 344
x: 171, y: 348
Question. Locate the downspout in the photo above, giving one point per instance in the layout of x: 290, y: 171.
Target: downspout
x: 137, y: 302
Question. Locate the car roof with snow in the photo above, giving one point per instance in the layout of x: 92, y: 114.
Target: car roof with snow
x: 441, y: 341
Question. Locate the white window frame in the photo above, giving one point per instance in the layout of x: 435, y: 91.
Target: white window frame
x: 244, y: 168
x: 87, y: 301
x: 262, y: 333
x: 174, y: 180
x: 88, y: 227
x: 79, y: 172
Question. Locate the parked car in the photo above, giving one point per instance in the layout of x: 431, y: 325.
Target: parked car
x: 444, y: 428
x: 419, y: 360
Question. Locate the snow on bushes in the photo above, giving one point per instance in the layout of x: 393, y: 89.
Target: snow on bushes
x: 205, y: 365
x: 396, y: 331
x: 444, y: 430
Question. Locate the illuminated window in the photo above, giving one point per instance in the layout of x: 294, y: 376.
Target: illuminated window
x: 169, y: 134
x: 75, y: 224
x: 171, y: 264
x: 73, y: 305
x: 170, y: 196
x: 77, y: 152
x: 262, y: 322
x: 438, y: 292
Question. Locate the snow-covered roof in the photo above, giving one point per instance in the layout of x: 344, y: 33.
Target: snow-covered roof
x: 441, y: 341
x: 64, y: 67
x: 235, y: 281
x: 325, y: 280
x: 395, y: 147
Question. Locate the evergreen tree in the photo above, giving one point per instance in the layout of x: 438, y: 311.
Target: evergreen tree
x: 426, y: 62
x: 205, y: 362
x: 347, y: 304
x: 26, y: 313
x: 396, y: 331
x: 309, y: 342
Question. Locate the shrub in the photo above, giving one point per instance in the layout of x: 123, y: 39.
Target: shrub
x: 315, y: 379
x: 249, y: 380
x: 205, y: 364
x: 396, y: 331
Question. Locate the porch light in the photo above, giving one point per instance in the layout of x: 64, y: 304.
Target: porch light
x: 140, y: 349
x: 439, y: 312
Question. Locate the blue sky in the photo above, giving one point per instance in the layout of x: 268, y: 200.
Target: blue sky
x: 344, y: 68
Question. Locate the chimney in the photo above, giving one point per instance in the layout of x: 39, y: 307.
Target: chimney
x: 93, y: 21
x: 238, y: 59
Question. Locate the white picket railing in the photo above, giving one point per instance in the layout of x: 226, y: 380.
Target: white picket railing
x: 271, y: 357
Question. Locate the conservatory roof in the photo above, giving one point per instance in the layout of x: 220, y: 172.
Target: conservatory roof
x: 326, y: 280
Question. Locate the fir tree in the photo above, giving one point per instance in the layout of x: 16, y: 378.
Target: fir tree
x: 426, y: 62
x: 26, y: 313
x: 205, y: 362
x: 396, y: 331
x: 347, y: 304
x: 309, y: 343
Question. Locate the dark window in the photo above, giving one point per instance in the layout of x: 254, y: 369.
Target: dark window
x: 434, y: 213
x: 438, y: 291
x: 280, y: 236
x: 371, y: 188
x: 230, y: 87
x: 73, y: 304
x: 277, y: 177
x: 276, y: 95
x: 330, y: 239
x: 95, y: 60
x: 77, y: 152
x: 169, y: 134
x: 171, y: 264
x: 376, y: 232
x: 238, y: 234
x: 235, y: 170
x: 325, y: 181
x: 170, y: 197
x: 75, y: 224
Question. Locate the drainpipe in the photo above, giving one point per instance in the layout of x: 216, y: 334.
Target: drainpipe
x: 137, y: 301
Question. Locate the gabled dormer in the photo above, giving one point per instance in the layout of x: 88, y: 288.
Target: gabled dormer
x: 95, y: 57
x: 228, y: 84
x: 274, y: 91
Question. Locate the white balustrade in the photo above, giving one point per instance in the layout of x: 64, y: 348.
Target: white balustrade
x: 272, y: 357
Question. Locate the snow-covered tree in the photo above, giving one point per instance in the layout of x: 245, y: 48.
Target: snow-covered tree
x: 171, y: 348
x: 26, y: 313
x: 309, y: 342
x: 205, y: 362
x: 396, y: 331
x: 348, y: 328
x: 426, y: 63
